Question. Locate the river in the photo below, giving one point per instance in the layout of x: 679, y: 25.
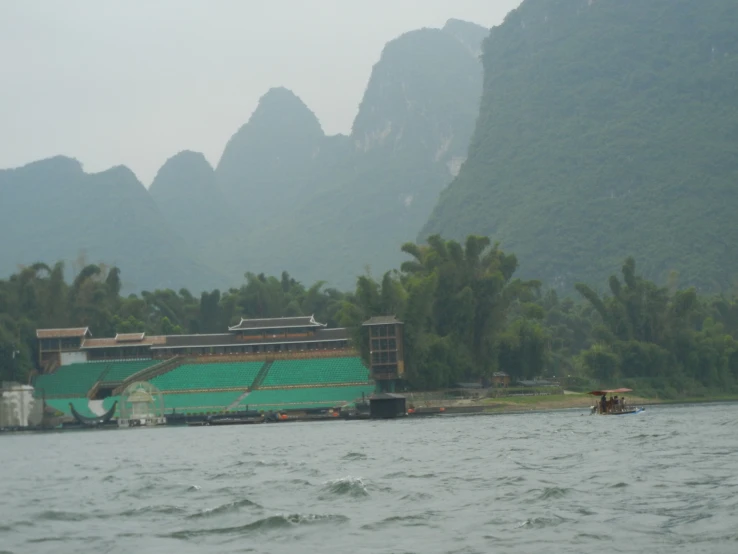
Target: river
x: 662, y: 481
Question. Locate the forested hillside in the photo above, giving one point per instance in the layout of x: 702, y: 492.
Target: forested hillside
x: 466, y: 314
x: 607, y: 129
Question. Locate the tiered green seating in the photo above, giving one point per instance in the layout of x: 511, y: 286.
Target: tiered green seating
x: 120, y: 371
x: 62, y: 404
x: 194, y: 403
x: 208, y: 376
x: 70, y: 380
x: 321, y: 371
x: 188, y: 403
x: 302, y: 398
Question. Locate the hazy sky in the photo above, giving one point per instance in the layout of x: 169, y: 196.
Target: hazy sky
x: 135, y: 81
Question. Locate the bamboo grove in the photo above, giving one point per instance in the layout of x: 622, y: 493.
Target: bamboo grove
x: 466, y: 316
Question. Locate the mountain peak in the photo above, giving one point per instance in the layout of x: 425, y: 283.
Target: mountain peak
x: 187, y: 162
x: 282, y: 135
x: 423, y: 94
x: 186, y: 172
x: 469, y: 34
x: 58, y: 165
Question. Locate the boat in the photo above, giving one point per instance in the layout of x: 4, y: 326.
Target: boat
x: 614, y: 405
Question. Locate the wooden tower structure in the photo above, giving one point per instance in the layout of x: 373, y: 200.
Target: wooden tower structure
x: 386, y: 359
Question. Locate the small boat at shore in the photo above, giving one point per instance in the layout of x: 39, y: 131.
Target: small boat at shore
x: 615, y: 405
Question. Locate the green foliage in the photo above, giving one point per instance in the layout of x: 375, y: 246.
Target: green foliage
x: 456, y: 303
x: 38, y: 297
x: 666, y: 341
x: 606, y: 128
x: 465, y: 317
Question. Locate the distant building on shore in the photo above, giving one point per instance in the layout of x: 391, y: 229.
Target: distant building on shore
x: 500, y: 379
x: 262, y: 364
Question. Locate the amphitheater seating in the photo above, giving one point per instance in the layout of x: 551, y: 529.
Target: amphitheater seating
x: 120, y: 371
x: 208, y: 376
x: 302, y: 398
x: 69, y: 381
x: 320, y: 371
x: 195, y: 403
x: 62, y: 404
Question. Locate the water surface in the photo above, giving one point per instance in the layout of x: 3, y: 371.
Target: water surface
x: 663, y: 481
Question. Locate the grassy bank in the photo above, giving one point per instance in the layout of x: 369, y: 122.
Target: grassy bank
x: 580, y: 400
x: 558, y: 400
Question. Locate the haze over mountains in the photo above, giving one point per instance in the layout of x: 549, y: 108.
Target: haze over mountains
x: 284, y: 196
x: 607, y: 128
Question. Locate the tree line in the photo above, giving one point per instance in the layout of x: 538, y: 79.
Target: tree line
x: 466, y: 316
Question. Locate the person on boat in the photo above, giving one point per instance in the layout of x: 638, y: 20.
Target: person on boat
x: 603, y: 403
x: 615, y: 404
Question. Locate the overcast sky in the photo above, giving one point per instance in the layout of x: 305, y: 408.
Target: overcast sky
x: 135, y: 81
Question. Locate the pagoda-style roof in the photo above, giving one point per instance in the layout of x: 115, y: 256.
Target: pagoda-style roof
x: 226, y: 339
x: 383, y: 320
x: 68, y: 333
x: 276, y: 323
x: 129, y: 337
x: 116, y: 343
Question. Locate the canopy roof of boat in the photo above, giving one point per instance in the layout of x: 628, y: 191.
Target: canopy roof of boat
x: 608, y: 391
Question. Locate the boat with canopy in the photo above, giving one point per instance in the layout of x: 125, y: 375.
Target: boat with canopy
x: 616, y: 404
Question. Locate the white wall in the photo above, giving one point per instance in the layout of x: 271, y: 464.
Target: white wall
x: 68, y: 358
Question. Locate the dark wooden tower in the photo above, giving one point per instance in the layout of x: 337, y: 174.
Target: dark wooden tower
x: 385, y: 351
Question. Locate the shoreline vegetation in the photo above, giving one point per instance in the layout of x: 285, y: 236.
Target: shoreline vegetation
x: 466, y: 317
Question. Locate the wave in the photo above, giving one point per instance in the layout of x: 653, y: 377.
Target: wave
x: 146, y: 510
x: 405, y: 475
x: 542, y: 522
x: 58, y: 515
x: 417, y: 496
x: 345, y: 486
x: 355, y: 456
x: 415, y: 520
x: 553, y: 492
x: 276, y: 522
x: 234, y: 506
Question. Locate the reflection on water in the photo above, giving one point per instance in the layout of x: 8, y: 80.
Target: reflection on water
x: 662, y: 481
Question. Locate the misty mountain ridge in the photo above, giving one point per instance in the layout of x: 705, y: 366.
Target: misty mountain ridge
x: 284, y: 196
x: 53, y: 210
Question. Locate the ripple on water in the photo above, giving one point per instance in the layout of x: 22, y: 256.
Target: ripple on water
x: 553, y: 492
x: 511, y: 485
x: 353, y: 456
x: 234, y: 506
x: 409, y: 520
x: 59, y: 515
x: 271, y: 523
x: 542, y: 522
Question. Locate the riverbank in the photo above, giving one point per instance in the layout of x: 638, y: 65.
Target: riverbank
x: 570, y: 400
